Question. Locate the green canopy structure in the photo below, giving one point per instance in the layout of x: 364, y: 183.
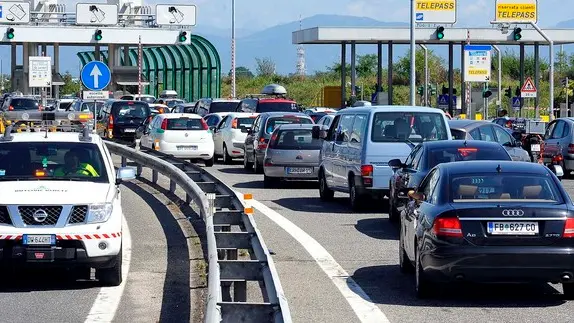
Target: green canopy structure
x: 194, y: 70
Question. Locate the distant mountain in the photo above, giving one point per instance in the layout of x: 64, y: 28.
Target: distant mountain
x: 566, y: 24
x: 275, y: 43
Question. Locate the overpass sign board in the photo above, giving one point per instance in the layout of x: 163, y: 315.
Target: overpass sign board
x: 528, y: 90
x: 477, y: 59
x: 40, y: 71
x: 175, y: 15
x: 14, y: 12
x: 96, y: 76
x: 96, y: 14
x: 435, y: 11
x: 517, y: 11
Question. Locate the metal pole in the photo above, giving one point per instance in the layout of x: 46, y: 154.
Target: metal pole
x: 568, y: 110
x: 522, y: 54
x: 551, y: 49
x: 353, y: 70
x: 233, y: 88
x: 537, y: 78
x: 426, y: 94
x: 499, y: 79
x: 139, y: 69
x: 413, y: 54
x: 451, y: 106
x: 343, y: 74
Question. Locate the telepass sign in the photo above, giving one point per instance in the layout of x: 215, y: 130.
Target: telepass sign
x: 524, y: 11
x: 435, y: 11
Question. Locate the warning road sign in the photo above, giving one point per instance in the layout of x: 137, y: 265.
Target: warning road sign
x: 528, y: 90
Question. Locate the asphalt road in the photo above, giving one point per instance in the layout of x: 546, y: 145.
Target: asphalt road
x: 158, y: 284
x: 366, y: 246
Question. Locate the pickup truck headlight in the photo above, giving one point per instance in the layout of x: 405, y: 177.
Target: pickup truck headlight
x: 98, y: 213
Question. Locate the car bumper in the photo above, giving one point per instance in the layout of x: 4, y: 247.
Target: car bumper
x: 282, y: 172
x: 237, y: 149
x: 496, y: 264
x: 204, y: 150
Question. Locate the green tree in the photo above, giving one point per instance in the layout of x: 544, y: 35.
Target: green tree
x: 265, y: 66
x: 242, y: 72
x: 511, y: 66
x: 70, y: 86
x: 437, y: 71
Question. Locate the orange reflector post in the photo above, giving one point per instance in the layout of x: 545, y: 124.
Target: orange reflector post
x: 248, y: 210
x: 248, y: 196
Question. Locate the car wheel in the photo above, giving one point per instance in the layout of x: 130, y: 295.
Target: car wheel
x: 355, y: 199
x: 256, y: 167
x: 246, y: 164
x: 269, y: 182
x: 111, y: 276
x: 226, y: 158
x: 404, y: 263
x: 423, y: 286
x: 393, y: 212
x: 325, y: 193
x: 568, y: 290
x: 209, y: 162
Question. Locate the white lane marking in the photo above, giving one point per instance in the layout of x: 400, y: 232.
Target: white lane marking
x: 106, y: 304
x: 361, y: 303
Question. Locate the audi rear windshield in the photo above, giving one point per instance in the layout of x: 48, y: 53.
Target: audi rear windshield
x: 216, y: 107
x: 453, y: 154
x: 275, y: 122
x: 263, y: 107
x: 184, y: 124
x: 19, y: 104
x: 500, y: 187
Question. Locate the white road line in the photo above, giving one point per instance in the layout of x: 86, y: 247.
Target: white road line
x: 364, y: 308
x: 108, y: 299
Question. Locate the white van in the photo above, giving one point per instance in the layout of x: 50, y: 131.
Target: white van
x: 360, y: 142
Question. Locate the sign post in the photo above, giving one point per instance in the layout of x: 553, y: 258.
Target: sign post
x: 477, y: 66
x: 528, y: 89
x: 95, y: 76
x: 435, y: 12
x: 40, y: 74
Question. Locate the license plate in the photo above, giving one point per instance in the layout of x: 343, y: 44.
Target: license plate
x: 186, y: 147
x: 513, y: 228
x: 39, y: 239
x: 129, y: 130
x: 299, y: 170
x: 535, y: 147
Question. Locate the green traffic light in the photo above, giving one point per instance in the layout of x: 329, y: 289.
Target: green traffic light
x: 440, y: 33
x: 98, y: 35
x: 10, y: 33
x: 516, y: 35
x: 182, y: 36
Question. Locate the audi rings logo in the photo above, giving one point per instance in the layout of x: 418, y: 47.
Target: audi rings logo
x: 512, y: 213
x: 40, y: 216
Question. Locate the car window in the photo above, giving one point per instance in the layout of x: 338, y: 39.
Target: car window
x: 454, y: 154
x: 345, y: 128
x: 414, y: 126
x: 431, y: 193
x: 185, y: 124
x: 244, y: 122
x: 359, y: 126
x: 558, y: 130
x: 275, y: 122
x: 212, y: 121
x: 509, y: 187
x: 131, y: 110
x: 274, y: 106
x: 332, y: 133
x: 215, y: 107
x: 487, y: 134
x: 549, y: 130
x: 458, y: 134
x: 18, y: 104
x: 410, y: 158
x: 299, y: 139
x: 147, y: 99
x: 52, y: 160
x: 224, y: 122
x: 425, y: 187
x: 503, y: 136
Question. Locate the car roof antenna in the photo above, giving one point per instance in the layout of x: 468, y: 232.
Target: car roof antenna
x: 499, y: 169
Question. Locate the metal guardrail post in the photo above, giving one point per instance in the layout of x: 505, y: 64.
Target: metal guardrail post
x: 124, y: 161
x: 154, y: 175
x: 139, y: 170
x: 172, y: 185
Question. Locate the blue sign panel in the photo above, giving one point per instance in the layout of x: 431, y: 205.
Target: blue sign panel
x: 516, y: 102
x: 96, y: 75
x: 0, y: 11
x: 443, y: 101
x: 420, y: 16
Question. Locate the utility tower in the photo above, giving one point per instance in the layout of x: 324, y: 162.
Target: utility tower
x: 300, y: 54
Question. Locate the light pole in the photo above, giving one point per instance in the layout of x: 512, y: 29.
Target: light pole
x: 233, y: 93
x: 426, y: 94
x: 551, y: 49
x: 413, y: 54
x: 499, y: 76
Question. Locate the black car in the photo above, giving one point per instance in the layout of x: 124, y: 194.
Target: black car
x: 425, y: 156
x: 120, y: 119
x: 488, y: 221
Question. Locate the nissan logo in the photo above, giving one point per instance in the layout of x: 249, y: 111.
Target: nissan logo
x: 40, y: 216
x: 512, y: 213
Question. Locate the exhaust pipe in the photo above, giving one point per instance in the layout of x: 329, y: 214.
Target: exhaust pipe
x: 566, y: 277
x: 459, y: 277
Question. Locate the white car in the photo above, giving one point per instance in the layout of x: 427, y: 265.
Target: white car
x: 229, y: 136
x: 325, y: 121
x: 183, y: 135
x: 60, y: 202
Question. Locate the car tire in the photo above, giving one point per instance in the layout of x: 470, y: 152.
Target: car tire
x: 423, y: 287
x: 269, y: 182
x: 325, y: 193
x: 258, y: 169
x: 355, y: 200
x: 209, y: 162
x: 111, y: 276
x: 405, y: 264
x: 246, y: 164
x: 568, y: 290
x: 393, y: 212
x: 226, y: 157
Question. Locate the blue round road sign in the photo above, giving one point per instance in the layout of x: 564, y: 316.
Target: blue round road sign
x: 96, y: 76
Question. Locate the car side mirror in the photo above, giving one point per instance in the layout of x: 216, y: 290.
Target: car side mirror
x: 249, y: 131
x: 417, y: 196
x: 213, y: 129
x: 396, y: 164
x: 125, y: 174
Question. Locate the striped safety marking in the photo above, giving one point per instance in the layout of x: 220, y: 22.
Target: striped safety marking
x: 69, y: 236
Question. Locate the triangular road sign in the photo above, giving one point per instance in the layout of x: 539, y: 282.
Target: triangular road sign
x: 516, y: 102
x: 443, y: 99
x: 528, y: 86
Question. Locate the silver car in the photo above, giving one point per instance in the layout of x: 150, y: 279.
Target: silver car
x: 292, y: 153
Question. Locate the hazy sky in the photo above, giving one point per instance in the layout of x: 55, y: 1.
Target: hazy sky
x: 257, y: 14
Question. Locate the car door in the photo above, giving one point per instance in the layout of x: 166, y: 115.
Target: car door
x: 554, y: 142
x: 504, y: 138
x: 218, y: 136
x: 341, y: 153
x: 400, y: 178
x: 249, y: 139
x: 328, y: 151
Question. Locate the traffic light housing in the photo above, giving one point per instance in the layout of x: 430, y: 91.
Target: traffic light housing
x: 444, y: 90
x: 486, y: 93
x: 516, y: 34
x: 432, y: 90
x: 421, y: 90
x: 10, y: 33
x: 508, y: 92
x: 98, y: 35
x: 517, y: 91
x: 182, y: 36
x: 440, y: 32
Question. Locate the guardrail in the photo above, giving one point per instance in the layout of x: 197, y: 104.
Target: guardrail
x: 229, y: 228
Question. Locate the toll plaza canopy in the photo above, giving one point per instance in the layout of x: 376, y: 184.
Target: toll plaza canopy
x: 193, y: 70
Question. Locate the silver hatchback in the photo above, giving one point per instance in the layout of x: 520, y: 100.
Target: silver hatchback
x: 292, y: 153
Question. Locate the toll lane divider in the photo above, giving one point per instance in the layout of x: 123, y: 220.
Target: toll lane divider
x: 230, y: 226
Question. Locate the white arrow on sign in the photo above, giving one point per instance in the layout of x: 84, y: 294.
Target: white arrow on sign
x: 95, y: 73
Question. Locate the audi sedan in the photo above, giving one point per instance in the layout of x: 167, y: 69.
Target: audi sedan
x: 427, y: 155
x: 488, y: 221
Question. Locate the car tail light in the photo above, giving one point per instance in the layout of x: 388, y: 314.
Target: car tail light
x: 367, y: 175
x: 465, y: 152
x: 508, y: 124
x: 149, y: 119
x: 557, y: 159
x: 447, y: 227
x: 268, y: 162
x: 110, y: 122
x: 569, y: 228
x: 11, y: 108
x: 571, y: 148
x: 234, y: 124
x: 204, y: 124
x: 262, y: 144
x: 164, y: 124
